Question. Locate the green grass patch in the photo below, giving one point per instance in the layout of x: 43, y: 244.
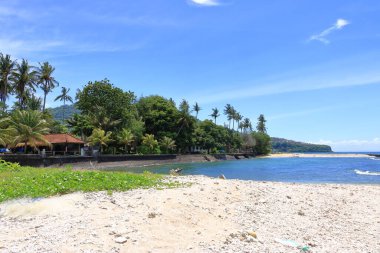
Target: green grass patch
x: 17, y: 181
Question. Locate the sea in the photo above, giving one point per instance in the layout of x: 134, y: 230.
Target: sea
x: 298, y: 170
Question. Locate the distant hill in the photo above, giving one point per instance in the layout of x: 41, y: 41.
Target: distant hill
x: 289, y: 146
x: 69, y: 111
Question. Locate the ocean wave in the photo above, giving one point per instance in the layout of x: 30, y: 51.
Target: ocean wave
x: 368, y: 173
x: 374, y: 158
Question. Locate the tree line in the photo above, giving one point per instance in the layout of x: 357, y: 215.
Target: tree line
x: 116, y: 121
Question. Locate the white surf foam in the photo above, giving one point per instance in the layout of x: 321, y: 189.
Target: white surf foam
x: 368, y: 173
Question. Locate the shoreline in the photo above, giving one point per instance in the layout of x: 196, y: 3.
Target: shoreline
x: 316, y: 155
x: 206, y: 215
x: 184, y: 159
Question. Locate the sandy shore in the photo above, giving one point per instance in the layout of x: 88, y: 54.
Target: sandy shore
x: 211, y: 215
x: 320, y: 155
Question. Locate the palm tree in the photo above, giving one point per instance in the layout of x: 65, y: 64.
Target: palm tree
x: 100, y: 137
x: 232, y: 116
x: 64, y: 97
x: 33, y: 103
x: 228, y: 112
x: 238, y: 118
x: 247, y: 124
x: 150, y: 142
x: 5, y: 132
x: 167, y: 144
x: 24, y: 79
x: 241, y: 126
x: 196, y: 108
x: 215, y: 114
x: 81, y: 125
x: 261, y: 124
x: 27, y: 127
x: 46, y: 80
x: 6, y: 68
x: 127, y: 138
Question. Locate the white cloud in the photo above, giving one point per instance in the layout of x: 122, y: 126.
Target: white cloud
x: 205, y: 2
x: 371, y: 145
x: 339, y: 24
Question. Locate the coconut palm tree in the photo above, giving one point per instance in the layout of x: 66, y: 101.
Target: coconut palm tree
x: 196, y: 108
x: 150, y: 142
x: 27, y: 127
x: 64, y: 97
x: 247, y: 124
x: 228, y: 112
x: 46, y: 81
x: 100, y: 137
x: 215, y: 114
x: 261, y: 124
x: 238, y: 118
x: 23, y: 78
x: 167, y: 144
x: 127, y: 138
x: 6, y: 69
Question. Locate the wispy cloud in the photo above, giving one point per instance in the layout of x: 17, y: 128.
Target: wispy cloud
x: 339, y: 24
x: 205, y: 2
x: 340, y: 73
x: 290, y: 85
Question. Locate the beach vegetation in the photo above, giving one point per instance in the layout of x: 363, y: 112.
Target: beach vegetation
x: 20, y: 182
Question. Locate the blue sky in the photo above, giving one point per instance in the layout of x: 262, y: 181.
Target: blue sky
x: 311, y: 67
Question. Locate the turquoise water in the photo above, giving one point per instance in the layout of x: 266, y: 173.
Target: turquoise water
x: 309, y: 170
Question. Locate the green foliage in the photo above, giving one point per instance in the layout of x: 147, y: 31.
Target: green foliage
x: 115, y: 103
x: 100, y: 138
x: 263, y: 144
x: 150, y: 143
x: 18, y: 182
x: 27, y: 127
x: 196, y: 109
x: 167, y: 145
x: 284, y: 145
x: 45, y: 79
x: 126, y: 138
x: 80, y: 125
x: 23, y: 78
x: 215, y: 114
x: 6, y: 69
x: 208, y: 135
x: 261, y: 124
x: 160, y: 116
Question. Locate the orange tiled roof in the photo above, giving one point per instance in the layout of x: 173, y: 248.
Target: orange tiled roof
x: 62, y: 138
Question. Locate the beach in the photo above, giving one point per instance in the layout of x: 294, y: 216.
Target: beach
x: 203, y: 215
x: 317, y: 155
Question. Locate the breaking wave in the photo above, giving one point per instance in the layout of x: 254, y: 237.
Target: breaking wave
x: 368, y: 173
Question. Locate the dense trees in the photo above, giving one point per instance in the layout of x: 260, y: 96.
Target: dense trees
x: 113, y: 120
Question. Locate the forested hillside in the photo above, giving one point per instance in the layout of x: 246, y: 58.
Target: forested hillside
x: 284, y: 145
x: 56, y: 112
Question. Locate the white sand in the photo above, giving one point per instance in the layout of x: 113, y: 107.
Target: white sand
x: 320, y: 155
x: 212, y: 215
